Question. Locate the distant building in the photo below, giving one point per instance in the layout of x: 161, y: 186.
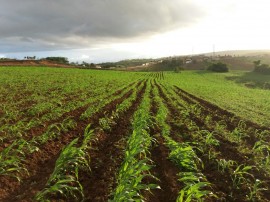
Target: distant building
x: 188, y: 60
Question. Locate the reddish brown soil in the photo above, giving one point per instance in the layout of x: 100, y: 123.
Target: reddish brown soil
x: 163, y: 168
x: 227, y: 151
x: 108, y: 150
x: 212, y: 107
x: 39, y: 130
x: 223, y: 115
x: 42, y: 162
x: 107, y: 156
x: 44, y: 63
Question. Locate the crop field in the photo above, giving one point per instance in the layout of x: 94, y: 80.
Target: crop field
x: 92, y: 135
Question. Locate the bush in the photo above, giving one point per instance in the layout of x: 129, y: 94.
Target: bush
x: 262, y: 69
x: 178, y: 69
x: 61, y: 60
x: 218, y: 67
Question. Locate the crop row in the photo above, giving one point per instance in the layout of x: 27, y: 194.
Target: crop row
x: 215, y: 152
x: 15, y: 157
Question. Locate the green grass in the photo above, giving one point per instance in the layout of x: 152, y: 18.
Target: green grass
x: 249, y: 103
x: 31, y: 96
x: 48, y: 92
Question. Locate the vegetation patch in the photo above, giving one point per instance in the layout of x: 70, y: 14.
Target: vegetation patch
x: 218, y: 67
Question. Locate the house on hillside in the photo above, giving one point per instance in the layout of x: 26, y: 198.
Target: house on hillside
x: 188, y: 60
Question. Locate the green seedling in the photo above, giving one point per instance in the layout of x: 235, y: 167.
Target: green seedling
x: 225, y: 165
x: 194, y: 189
x: 254, y: 194
x: 239, y: 175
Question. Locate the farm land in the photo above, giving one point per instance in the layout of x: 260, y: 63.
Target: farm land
x: 91, y: 135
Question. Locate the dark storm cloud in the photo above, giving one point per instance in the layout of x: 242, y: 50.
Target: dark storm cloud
x: 56, y: 24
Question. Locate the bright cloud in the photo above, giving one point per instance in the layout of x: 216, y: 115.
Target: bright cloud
x: 99, y: 30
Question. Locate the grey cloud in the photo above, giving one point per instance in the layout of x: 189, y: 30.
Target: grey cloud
x: 51, y: 24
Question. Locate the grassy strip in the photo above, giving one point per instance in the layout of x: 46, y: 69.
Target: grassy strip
x: 250, y: 103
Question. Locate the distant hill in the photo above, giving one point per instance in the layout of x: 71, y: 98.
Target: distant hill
x: 235, y: 59
x: 47, y: 63
x: 241, y: 53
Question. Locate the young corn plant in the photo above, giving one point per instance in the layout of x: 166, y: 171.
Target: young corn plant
x: 183, y: 155
x: 261, y: 151
x: 195, y: 184
x: 239, y: 132
x: 239, y: 175
x: 225, y: 165
x: 12, y: 158
x: 101, y: 103
x: 207, y: 143
x: 262, y: 134
x: 65, y: 178
x: 255, y: 190
x: 136, y: 165
x: 108, y: 121
x: 55, y: 130
x: 52, y: 132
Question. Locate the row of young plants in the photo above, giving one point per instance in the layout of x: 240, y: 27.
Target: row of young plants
x: 241, y: 129
x: 104, y: 101
x: 239, y: 133
x: 20, y: 129
x: 95, y: 103
x: 182, y: 154
x: 64, y: 181
x: 21, y: 87
x: 258, y: 149
x: 14, y: 156
x: 42, y: 101
x: 31, y: 97
x: 155, y: 75
x: 136, y: 164
x: 225, y: 91
x: 108, y: 120
x: 242, y: 175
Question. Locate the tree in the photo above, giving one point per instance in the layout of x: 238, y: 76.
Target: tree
x: 257, y: 63
x: 61, y: 60
x: 218, y: 67
x: 261, y: 68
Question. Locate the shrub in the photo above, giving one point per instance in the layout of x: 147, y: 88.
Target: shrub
x: 178, y: 69
x: 262, y: 69
x: 61, y: 60
x: 218, y: 67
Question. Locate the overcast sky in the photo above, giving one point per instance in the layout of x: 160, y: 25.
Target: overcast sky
x: 110, y: 30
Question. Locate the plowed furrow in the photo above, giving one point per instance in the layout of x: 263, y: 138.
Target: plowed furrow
x: 39, y: 130
x: 107, y: 155
x: 163, y: 168
x: 227, y: 150
x: 41, y: 164
x: 220, y: 112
